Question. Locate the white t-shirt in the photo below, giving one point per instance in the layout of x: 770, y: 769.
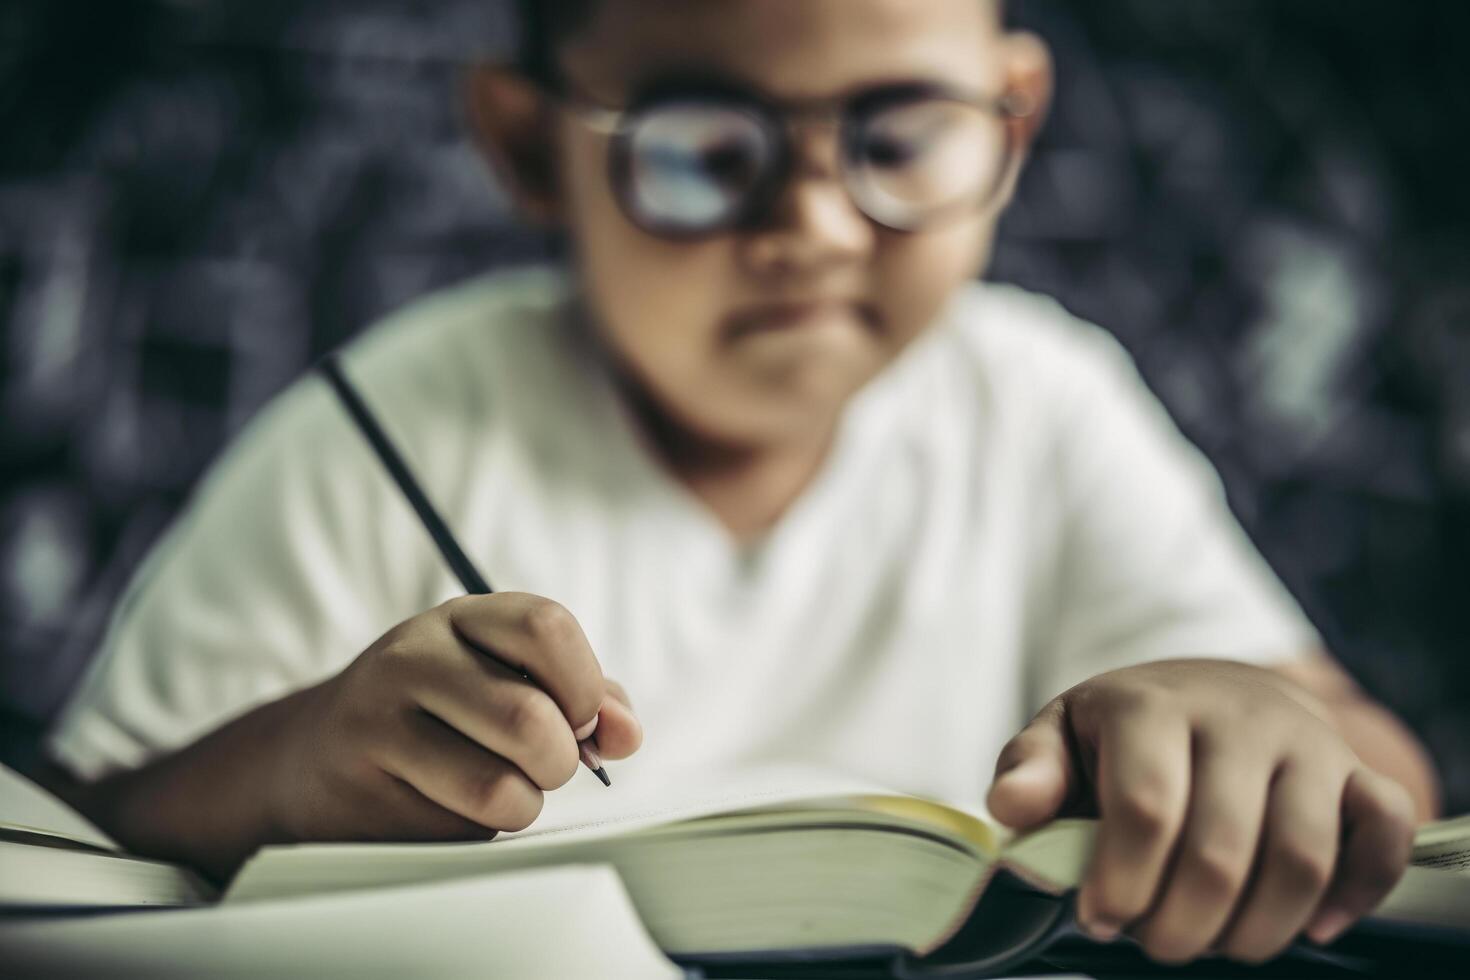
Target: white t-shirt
x: 1007, y: 511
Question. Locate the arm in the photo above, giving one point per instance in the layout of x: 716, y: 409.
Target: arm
x: 422, y: 737
x: 204, y: 805
x: 241, y: 697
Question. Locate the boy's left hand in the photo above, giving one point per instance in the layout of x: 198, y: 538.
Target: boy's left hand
x: 1232, y: 814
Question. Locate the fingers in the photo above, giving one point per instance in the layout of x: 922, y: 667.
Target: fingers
x: 426, y: 737
x: 1232, y: 815
x: 1034, y: 774
x: 1217, y: 847
x: 1378, y: 816
x: 402, y: 813
x: 501, y: 711
x: 1297, y: 854
x: 1142, y: 790
x: 538, y: 636
x: 619, y: 733
x: 461, y: 777
x: 526, y: 722
x: 618, y: 692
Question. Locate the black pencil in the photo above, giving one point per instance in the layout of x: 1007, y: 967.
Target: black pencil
x: 469, y: 576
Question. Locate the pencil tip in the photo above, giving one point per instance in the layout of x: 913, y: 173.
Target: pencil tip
x: 602, y: 775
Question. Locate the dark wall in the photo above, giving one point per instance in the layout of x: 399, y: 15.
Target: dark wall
x: 1267, y: 202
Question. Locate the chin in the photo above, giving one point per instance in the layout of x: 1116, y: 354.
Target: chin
x: 771, y: 421
x: 789, y: 402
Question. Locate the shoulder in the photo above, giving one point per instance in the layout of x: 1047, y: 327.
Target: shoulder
x: 447, y: 351
x: 1029, y: 344
x: 436, y: 358
x: 461, y: 371
x: 1016, y: 363
x: 428, y: 373
x: 291, y: 497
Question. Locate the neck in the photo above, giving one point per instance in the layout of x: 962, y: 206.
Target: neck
x: 748, y: 487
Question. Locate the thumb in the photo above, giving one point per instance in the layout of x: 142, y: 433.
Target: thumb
x: 1035, y: 773
x: 619, y: 733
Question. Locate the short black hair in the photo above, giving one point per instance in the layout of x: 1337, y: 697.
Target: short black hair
x: 544, y: 25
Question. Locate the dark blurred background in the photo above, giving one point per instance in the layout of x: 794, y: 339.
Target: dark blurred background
x: 1268, y: 203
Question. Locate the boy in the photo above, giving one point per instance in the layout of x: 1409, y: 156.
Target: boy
x: 808, y: 492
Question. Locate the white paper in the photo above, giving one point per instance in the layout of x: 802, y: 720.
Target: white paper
x: 26, y: 806
x: 555, y: 923
x: 590, y: 809
x: 570, y: 816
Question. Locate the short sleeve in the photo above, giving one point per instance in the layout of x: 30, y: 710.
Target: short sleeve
x: 298, y: 550
x: 278, y: 573
x: 1151, y: 563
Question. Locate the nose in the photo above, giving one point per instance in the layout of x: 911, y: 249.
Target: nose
x: 813, y: 224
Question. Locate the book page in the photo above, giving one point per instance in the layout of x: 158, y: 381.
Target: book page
x: 984, y: 835
x: 27, y: 807
x: 590, y: 810
x: 1428, y: 897
x: 1053, y: 857
x: 590, y: 813
x: 1444, y: 845
x: 570, y: 921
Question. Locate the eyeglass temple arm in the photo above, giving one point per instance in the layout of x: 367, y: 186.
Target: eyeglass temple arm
x: 604, y: 120
x: 598, y: 118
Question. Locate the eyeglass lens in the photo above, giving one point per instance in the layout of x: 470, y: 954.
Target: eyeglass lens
x: 694, y: 165
x: 913, y: 161
x: 697, y: 166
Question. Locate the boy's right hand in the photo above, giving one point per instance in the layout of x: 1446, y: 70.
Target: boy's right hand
x: 425, y: 737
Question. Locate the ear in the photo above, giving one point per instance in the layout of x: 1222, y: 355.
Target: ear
x: 1029, y: 78
x: 513, y: 124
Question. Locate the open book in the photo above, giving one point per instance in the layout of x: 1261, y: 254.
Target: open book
x: 804, y: 868
x: 813, y: 868
x: 52, y: 858
x: 566, y: 921
x: 552, y: 923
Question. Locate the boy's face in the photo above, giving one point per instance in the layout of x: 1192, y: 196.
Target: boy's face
x: 756, y: 337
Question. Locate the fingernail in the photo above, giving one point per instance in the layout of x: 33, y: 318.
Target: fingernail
x: 1328, y: 925
x: 585, y: 732
x: 590, y: 757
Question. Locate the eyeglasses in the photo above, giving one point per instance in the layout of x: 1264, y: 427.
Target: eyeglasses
x: 691, y: 160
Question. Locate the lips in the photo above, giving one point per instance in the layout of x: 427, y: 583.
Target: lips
x: 779, y: 317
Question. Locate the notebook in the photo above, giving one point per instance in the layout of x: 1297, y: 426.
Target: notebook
x: 791, y: 867
x: 51, y: 857
x: 807, y: 867
x: 552, y: 923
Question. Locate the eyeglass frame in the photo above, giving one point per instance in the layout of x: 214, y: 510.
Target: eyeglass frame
x: 778, y: 115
